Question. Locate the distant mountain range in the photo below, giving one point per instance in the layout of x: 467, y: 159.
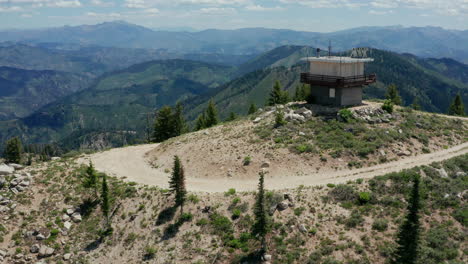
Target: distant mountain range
x: 118, y: 104
x: 432, y: 42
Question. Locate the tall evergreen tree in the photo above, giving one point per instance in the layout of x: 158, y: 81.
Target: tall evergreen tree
x: 408, y: 238
x: 13, y: 150
x: 177, y: 182
x: 393, y: 95
x: 105, y: 206
x: 278, y: 96
x: 178, y: 121
x: 261, y: 225
x: 416, y: 105
x: 91, y: 179
x: 252, y: 109
x: 457, y: 107
x: 211, y: 115
x: 163, y: 126
x: 200, y: 123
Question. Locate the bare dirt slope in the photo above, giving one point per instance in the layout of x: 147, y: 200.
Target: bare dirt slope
x: 133, y: 164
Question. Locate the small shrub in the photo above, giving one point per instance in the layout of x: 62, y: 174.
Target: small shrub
x: 193, y: 198
x: 380, y: 225
x: 343, y: 192
x: 236, y: 213
x: 346, y: 115
x: 150, y: 252
x: 331, y: 185
x: 313, y: 231
x: 298, y: 211
x: 354, y: 219
x: 364, y: 197
x: 231, y: 191
x: 388, y: 106
x: 186, y: 217
x: 202, y: 222
x: 279, y: 118
x: 247, y: 161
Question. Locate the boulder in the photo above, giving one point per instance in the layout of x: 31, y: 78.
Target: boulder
x: 5, y: 169
x: 265, y: 165
x: 272, y: 210
x: 442, y: 173
x: 266, y: 257
x: 55, y: 158
x: 2, y: 182
x: 65, y: 217
x: 34, y: 248
x: 16, y: 166
x: 40, y: 237
x: 404, y: 153
x: 288, y: 197
x: 76, y: 217
x: 301, y: 133
x: 70, y: 211
x: 282, y: 206
x: 3, y: 253
x: 458, y: 174
x: 45, y: 251
x: 24, y: 183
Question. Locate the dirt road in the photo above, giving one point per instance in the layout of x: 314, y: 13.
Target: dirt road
x: 131, y: 163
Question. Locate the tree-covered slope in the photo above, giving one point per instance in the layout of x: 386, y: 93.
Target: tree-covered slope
x: 24, y: 91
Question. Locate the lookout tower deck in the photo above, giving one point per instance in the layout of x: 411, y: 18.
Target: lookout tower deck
x: 336, y: 80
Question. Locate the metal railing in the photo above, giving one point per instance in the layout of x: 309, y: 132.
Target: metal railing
x: 337, y: 81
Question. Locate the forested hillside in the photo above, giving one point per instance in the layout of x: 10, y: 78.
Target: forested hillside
x: 24, y: 91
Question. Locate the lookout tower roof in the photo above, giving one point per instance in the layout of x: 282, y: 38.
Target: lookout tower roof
x: 336, y: 59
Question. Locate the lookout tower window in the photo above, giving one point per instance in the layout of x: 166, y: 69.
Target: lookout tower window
x: 332, y: 93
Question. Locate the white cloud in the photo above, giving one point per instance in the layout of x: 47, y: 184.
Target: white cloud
x: 73, y: 3
x: 217, y: 11
x: 11, y: 9
x: 42, y: 3
x: 262, y: 8
x: 380, y: 12
x: 101, y: 3
x: 26, y: 15
x: 384, y: 4
x: 104, y: 15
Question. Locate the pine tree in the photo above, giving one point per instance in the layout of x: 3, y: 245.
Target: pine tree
x: 279, y: 118
x: 13, y: 150
x: 416, y: 105
x: 392, y: 94
x: 252, y: 109
x: 211, y: 118
x: 261, y: 225
x: 457, y: 107
x: 105, y: 206
x: 178, y: 121
x: 408, y: 238
x: 200, y: 123
x: 91, y: 179
x: 177, y: 182
x: 163, y: 126
x: 232, y: 116
x: 277, y: 96
x: 300, y: 93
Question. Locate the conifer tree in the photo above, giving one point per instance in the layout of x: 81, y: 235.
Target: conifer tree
x: 261, y: 225
x: 200, y: 123
x: 163, y: 126
x: 13, y: 150
x: 416, y: 105
x: 232, y: 116
x: 252, y: 109
x: 211, y: 117
x: 300, y: 93
x: 408, y: 238
x: 178, y: 121
x: 457, y: 107
x: 177, y: 182
x: 393, y: 95
x: 278, y: 96
x: 279, y: 118
x: 91, y: 179
x: 105, y: 206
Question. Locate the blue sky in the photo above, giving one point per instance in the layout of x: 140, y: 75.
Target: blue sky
x: 309, y: 15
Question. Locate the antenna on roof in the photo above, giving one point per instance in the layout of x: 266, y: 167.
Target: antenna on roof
x: 329, y: 48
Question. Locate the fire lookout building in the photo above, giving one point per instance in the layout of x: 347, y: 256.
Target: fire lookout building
x: 337, y: 81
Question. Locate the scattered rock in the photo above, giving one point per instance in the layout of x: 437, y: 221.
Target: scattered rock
x: 34, y: 248
x: 65, y: 217
x: 400, y: 131
x: 67, y: 225
x: 5, y: 169
x: 70, y: 211
x: 302, y: 228
x: 288, y: 197
x: 301, y: 133
x: 40, y: 237
x: 45, y: 251
x: 55, y: 158
x: 382, y: 153
x: 458, y: 174
x: 67, y: 256
x: 404, y: 153
x: 266, y: 257
x: 3, y: 253
x: 206, y: 209
x: 446, y: 195
x: 272, y: 210
x: 282, y: 206
x: 257, y: 120
x: 76, y: 217
x: 265, y: 165
x: 206, y: 133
